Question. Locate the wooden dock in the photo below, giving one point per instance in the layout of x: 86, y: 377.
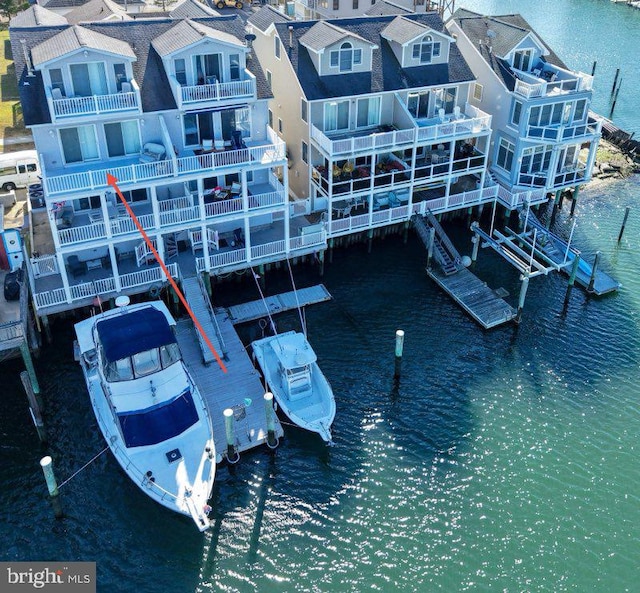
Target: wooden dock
x: 482, y: 303
x: 240, y: 388
x: 278, y: 303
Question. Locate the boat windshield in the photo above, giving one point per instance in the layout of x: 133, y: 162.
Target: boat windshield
x: 142, y: 364
x: 157, y: 424
x: 297, y: 370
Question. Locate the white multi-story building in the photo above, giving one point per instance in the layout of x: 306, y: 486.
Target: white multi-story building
x: 177, y: 112
x: 544, y: 137
x: 375, y: 113
x: 333, y: 9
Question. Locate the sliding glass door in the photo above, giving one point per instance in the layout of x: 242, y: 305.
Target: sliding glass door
x: 79, y: 144
x: 207, y: 68
x: 89, y: 79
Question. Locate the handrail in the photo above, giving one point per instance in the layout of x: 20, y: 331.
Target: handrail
x: 212, y: 314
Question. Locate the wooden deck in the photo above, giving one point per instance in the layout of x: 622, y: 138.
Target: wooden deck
x: 278, y: 303
x: 239, y: 389
x: 472, y: 294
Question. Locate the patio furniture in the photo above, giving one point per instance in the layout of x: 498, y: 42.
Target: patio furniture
x: 64, y: 216
x: 152, y: 152
x: 76, y: 267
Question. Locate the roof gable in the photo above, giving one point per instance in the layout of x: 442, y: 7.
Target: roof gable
x: 187, y: 33
x: 37, y: 16
x: 75, y: 39
x: 189, y: 9
x: 402, y: 30
x: 97, y: 10
x: 323, y: 34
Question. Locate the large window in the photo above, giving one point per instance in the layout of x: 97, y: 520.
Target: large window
x: 207, y: 68
x: 445, y: 99
x: 88, y: 79
x: 547, y: 115
x: 122, y: 138
x: 234, y: 66
x: 368, y: 112
x: 426, y: 49
x: 180, y: 71
x: 418, y: 104
x: 276, y: 41
x: 505, y: 154
x: 346, y: 57
x: 517, y: 111
x: 79, y: 144
x: 535, y: 160
x: 522, y: 60
x: 55, y: 74
x: 120, y: 73
x: 336, y: 116
x: 580, y: 110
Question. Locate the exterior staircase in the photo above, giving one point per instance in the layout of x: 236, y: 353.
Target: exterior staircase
x: 170, y: 247
x: 444, y: 252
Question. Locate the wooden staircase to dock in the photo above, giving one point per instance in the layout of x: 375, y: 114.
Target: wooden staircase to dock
x: 444, y: 251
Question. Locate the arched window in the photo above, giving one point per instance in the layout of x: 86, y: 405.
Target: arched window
x: 426, y: 49
x: 345, y: 57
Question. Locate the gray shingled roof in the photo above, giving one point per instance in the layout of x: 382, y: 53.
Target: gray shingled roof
x: 148, y: 69
x: 386, y: 72
x: 74, y: 3
x: 402, y: 30
x: 76, y: 38
x: 323, y: 34
x: 508, y: 30
x: 265, y: 17
x: 37, y: 16
x: 191, y: 9
x: 186, y: 33
x: 386, y: 8
x: 96, y: 10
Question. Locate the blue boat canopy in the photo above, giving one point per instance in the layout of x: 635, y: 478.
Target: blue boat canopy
x: 127, y: 334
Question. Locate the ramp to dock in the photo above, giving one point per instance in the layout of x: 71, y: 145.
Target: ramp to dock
x: 559, y: 251
x: 278, y: 303
x: 239, y: 389
x: 196, y: 296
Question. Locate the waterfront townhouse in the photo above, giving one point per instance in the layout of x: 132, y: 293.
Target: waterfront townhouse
x: 544, y: 137
x: 333, y: 9
x: 177, y: 112
x: 375, y: 114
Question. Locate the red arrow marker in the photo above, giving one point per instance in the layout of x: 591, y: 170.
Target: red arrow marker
x: 112, y: 181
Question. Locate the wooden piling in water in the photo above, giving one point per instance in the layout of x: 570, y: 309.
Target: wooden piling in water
x: 572, y: 279
x: 232, y: 454
x: 272, y: 441
x: 624, y: 223
x: 28, y: 363
x: 398, y: 352
x: 34, y: 407
x: 47, y: 468
x: 523, y: 296
x: 593, y: 68
x: 615, y: 80
x: 592, y: 280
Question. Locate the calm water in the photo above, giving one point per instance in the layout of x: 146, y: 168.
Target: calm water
x: 504, y: 460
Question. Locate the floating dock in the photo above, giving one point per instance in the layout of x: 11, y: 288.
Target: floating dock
x: 484, y: 305
x: 279, y: 303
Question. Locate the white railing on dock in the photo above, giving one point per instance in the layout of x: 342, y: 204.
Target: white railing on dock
x: 45, y: 265
x: 49, y: 298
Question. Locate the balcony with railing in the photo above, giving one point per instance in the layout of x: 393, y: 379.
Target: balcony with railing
x: 546, y: 79
x: 562, y: 132
x: 130, y: 171
x: 514, y: 199
x: 345, y: 142
x: 453, y: 126
x: 213, y: 91
x: 65, y: 108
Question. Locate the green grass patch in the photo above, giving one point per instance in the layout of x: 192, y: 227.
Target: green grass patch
x: 11, y: 123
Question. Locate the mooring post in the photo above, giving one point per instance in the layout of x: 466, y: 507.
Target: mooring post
x: 321, y: 260
x: 624, y: 223
x: 432, y: 236
x: 47, y: 329
x: 262, y: 280
x: 574, y: 200
x: 52, y: 485
x: 28, y: 363
x: 523, y: 296
x: 399, y: 347
x: 405, y: 233
x: 370, y: 240
x: 476, y: 245
x: 615, y: 99
x: 615, y: 81
x: 34, y: 407
x: 572, y: 278
x: 330, y: 251
x: 593, y: 68
x: 232, y: 455
x: 272, y: 441
x: 592, y: 280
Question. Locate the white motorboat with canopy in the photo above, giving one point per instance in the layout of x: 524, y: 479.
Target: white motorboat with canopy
x: 147, y: 406
x: 290, y: 368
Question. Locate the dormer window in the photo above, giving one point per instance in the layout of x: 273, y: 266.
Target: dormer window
x: 426, y: 49
x: 522, y: 60
x: 346, y: 57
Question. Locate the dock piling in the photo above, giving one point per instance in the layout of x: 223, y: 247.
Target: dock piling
x: 398, y: 357
x: 232, y: 454
x: 272, y: 441
x: 615, y: 81
x: 624, y: 223
x: 47, y: 468
x: 572, y: 279
x: 593, y: 68
x: 28, y: 363
x: 476, y: 245
x: 523, y: 296
x: 432, y: 236
x: 34, y: 407
x: 594, y: 270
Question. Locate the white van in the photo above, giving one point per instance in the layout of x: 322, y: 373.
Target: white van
x: 19, y: 169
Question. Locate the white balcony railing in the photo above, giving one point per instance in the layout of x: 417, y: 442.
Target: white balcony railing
x: 564, y: 81
x: 67, y: 107
x: 140, y: 172
x: 564, y: 132
x: 102, y: 286
x: 45, y: 265
x: 512, y: 200
x: 219, y: 91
